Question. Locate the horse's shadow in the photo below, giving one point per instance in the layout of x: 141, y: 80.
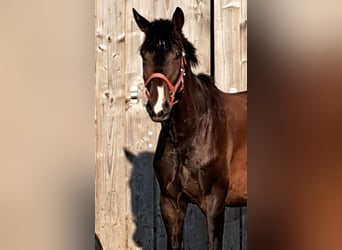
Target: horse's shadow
x: 142, y: 184
x: 150, y: 232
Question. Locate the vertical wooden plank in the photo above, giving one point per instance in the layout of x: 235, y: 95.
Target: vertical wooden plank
x: 227, y: 45
x: 243, y: 27
x: 196, y: 27
x: 110, y: 181
x: 141, y: 138
x: 197, y: 30
x: 231, y: 237
x: 160, y: 239
x: 243, y: 41
x: 140, y: 223
x: 244, y: 228
x: 141, y: 132
x: 195, y: 229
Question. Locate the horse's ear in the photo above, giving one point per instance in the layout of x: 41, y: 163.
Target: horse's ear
x: 142, y: 22
x: 178, y: 19
x: 129, y: 155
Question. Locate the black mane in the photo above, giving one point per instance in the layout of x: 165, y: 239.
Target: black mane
x: 208, y: 80
x: 162, y: 30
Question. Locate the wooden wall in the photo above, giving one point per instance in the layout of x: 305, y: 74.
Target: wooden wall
x: 127, y: 209
x: 230, y: 43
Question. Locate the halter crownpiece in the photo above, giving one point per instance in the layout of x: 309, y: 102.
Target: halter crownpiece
x: 173, y: 89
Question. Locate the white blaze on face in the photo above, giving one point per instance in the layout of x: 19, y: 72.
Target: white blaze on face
x: 158, y: 106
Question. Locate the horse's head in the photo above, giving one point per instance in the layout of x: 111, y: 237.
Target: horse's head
x: 164, y: 62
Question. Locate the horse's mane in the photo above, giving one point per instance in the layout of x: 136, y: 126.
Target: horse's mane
x: 208, y: 80
x: 190, y: 51
x: 162, y: 30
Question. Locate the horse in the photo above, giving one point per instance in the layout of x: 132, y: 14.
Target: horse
x: 201, y: 155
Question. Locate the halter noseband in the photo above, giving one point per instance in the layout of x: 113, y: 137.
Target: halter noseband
x: 173, y: 89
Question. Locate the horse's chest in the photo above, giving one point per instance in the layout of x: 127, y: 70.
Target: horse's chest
x: 186, y: 172
x: 189, y: 182
x: 192, y: 178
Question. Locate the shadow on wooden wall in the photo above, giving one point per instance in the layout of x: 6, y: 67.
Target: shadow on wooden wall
x: 149, y: 227
x: 141, y: 184
x: 98, y: 245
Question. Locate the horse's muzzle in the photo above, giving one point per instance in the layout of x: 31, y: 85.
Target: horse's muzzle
x: 162, y: 115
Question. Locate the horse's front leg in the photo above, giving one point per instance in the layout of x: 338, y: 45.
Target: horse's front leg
x: 173, y: 217
x: 215, y: 222
x: 215, y: 231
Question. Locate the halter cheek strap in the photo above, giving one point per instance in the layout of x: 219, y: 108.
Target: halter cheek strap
x: 173, y: 89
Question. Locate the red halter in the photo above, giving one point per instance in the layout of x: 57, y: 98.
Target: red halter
x: 172, y: 88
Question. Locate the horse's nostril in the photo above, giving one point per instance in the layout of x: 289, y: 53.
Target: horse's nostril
x: 149, y: 108
x: 166, y: 105
x: 148, y: 105
x: 160, y: 113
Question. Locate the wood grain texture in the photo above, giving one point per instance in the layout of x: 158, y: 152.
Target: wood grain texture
x: 243, y: 42
x: 230, y: 31
x: 127, y: 194
x: 111, y: 187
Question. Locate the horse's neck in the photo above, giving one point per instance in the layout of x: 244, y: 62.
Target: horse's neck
x: 194, y: 98
x: 186, y: 114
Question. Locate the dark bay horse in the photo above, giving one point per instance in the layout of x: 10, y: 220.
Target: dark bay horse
x: 201, y: 156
